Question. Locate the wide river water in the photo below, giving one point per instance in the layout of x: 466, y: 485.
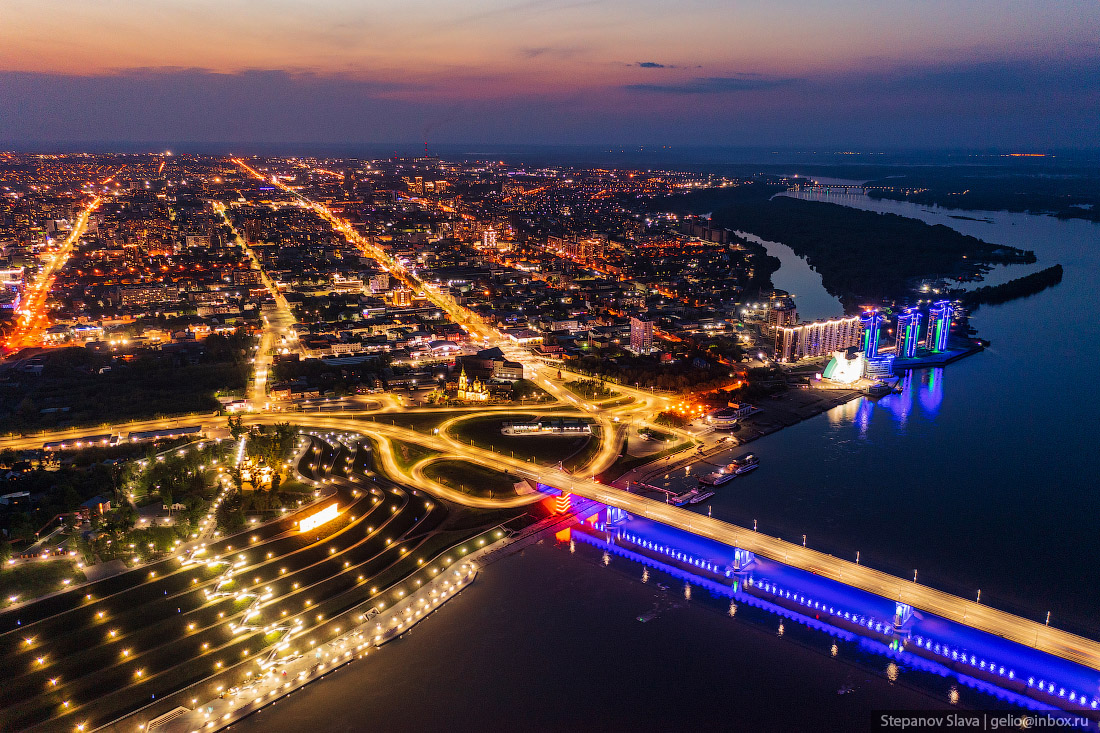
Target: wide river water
x: 980, y: 475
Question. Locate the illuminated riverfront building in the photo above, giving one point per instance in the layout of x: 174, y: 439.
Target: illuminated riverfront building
x: 908, y: 333
x: 844, y: 367
x: 871, y: 320
x: 939, y: 325
x: 879, y: 367
x: 780, y: 311
x: 816, y: 338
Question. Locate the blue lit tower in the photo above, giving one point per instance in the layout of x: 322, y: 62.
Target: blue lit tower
x: 908, y: 333
x: 871, y: 320
x: 939, y: 325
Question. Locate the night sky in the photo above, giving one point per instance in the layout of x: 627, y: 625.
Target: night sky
x: 881, y: 73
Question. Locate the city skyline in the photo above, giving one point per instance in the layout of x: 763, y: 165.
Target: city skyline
x: 932, y: 75
x: 302, y: 368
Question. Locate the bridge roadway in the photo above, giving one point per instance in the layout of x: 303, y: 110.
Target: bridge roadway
x: 999, y: 623
x: 1047, y: 639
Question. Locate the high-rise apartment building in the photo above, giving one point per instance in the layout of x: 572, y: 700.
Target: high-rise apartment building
x: 871, y: 320
x: 816, y: 338
x: 939, y: 325
x: 641, y: 335
x: 908, y: 333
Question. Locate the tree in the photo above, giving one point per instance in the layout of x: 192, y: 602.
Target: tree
x: 27, y: 412
x: 124, y: 519
x: 166, y: 497
x: 236, y: 426
x: 22, y: 527
x: 72, y: 499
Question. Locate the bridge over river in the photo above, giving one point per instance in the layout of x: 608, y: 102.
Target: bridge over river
x: 991, y: 620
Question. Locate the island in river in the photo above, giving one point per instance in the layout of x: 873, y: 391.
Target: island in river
x: 865, y: 256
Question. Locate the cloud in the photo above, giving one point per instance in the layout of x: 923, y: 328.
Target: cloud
x: 651, y: 65
x: 560, y: 52
x: 532, y: 53
x: 715, y: 85
x: 1005, y: 102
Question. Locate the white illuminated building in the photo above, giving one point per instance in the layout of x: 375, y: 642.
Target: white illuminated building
x: 844, y: 368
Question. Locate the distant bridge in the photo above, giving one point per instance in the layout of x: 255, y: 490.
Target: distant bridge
x: 824, y: 187
x: 856, y: 188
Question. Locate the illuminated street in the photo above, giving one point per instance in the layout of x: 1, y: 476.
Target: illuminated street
x: 277, y: 322
x: 33, y: 319
x: 428, y: 367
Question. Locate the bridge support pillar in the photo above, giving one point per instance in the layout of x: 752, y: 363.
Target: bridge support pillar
x: 615, y: 515
x: 742, y: 559
x: 902, y: 613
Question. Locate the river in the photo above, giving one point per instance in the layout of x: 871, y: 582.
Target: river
x: 554, y: 639
x: 979, y: 475
x: 800, y: 280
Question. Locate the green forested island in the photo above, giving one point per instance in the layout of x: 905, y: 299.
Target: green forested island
x: 1018, y: 288
x: 864, y: 256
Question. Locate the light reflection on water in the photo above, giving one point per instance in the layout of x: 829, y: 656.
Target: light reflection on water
x: 865, y: 652
x: 921, y: 386
x: 843, y: 414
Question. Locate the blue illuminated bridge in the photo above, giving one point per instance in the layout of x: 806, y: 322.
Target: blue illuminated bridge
x: 1018, y: 673
x: 904, y: 593
x: 1025, y: 632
